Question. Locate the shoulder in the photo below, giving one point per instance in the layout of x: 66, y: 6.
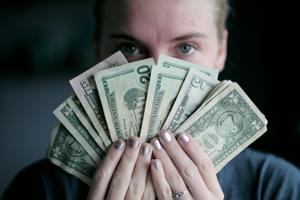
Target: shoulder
x: 265, y: 163
x: 47, y: 181
x: 261, y: 175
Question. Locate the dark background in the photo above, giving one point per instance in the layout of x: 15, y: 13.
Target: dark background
x: 45, y: 43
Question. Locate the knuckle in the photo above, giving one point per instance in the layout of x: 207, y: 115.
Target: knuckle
x: 206, y: 165
x: 135, y: 189
x: 189, y: 171
x: 166, y: 193
x: 175, y: 179
x: 148, y: 195
x: 117, y: 182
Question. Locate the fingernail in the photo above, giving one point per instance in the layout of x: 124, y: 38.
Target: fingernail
x: 184, y: 138
x: 155, y: 163
x: 156, y: 144
x: 166, y: 136
x: 133, y: 143
x: 119, y: 144
x: 145, y: 150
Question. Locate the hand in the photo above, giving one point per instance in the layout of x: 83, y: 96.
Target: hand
x: 141, y: 186
x: 183, y: 166
x: 122, y: 173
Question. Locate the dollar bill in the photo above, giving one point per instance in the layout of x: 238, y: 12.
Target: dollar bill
x: 195, y: 88
x: 67, y: 117
x: 140, y: 99
x: 218, y: 89
x: 163, y: 88
x: 85, y: 88
x: 66, y: 152
x: 226, y: 125
x: 79, y: 111
x: 178, y: 64
x: 123, y: 91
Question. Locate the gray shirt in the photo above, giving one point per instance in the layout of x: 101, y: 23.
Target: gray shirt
x: 250, y: 175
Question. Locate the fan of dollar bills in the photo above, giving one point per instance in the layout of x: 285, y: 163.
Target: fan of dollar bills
x: 115, y: 99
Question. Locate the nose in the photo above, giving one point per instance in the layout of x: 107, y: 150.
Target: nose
x: 155, y: 57
x: 156, y: 52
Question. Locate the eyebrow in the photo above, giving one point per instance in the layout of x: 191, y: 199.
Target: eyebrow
x: 190, y: 35
x: 125, y: 36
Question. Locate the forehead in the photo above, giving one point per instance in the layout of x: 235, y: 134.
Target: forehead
x: 158, y: 14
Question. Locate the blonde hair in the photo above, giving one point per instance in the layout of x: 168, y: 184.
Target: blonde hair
x: 220, y: 8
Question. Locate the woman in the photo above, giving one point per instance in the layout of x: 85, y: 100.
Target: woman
x: 192, y: 30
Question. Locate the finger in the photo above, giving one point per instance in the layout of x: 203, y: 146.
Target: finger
x: 138, y: 179
x: 161, y: 186
x: 105, y: 171
x: 186, y: 167
x: 203, y: 162
x: 173, y: 176
x: 149, y: 193
x: 122, y: 176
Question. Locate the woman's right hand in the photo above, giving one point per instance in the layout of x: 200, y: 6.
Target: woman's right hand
x: 123, y: 172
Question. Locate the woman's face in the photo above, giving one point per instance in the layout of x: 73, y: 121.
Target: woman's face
x: 184, y: 29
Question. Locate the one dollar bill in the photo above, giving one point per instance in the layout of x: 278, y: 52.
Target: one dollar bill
x: 85, y: 88
x: 77, y: 108
x: 183, y: 65
x: 66, y: 152
x: 226, y: 125
x: 68, y: 118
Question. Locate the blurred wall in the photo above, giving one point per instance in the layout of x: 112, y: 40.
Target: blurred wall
x: 43, y: 44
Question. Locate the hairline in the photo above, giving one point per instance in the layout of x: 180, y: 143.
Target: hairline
x: 221, y: 15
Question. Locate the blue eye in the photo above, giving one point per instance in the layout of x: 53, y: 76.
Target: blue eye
x: 129, y: 49
x: 186, y: 49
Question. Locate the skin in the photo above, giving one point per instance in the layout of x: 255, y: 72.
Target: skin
x: 179, y: 28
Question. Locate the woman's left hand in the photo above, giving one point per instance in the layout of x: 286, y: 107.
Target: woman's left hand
x: 183, y: 168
